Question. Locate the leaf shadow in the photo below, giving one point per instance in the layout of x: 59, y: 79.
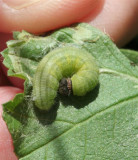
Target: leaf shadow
x: 46, y: 117
x: 80, y: 101
x: 59, y: 146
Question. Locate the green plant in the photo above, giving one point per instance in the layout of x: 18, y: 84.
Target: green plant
x: 100, y: 125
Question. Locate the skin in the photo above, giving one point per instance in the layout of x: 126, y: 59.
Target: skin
x: 119, y: 19
x: 6, y: 146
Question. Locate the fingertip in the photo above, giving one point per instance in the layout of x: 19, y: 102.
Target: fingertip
x: 44, y: 15
x: 119, y: 19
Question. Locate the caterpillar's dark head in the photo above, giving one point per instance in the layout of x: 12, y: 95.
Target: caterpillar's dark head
x: 65, y: 86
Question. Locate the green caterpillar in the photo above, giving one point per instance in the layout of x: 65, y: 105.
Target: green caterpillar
x: 66, y: 70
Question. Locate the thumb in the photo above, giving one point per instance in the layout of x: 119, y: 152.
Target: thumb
x: 42, y: 15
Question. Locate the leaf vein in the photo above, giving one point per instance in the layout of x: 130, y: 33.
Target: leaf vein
x: 126, y: 76
x: 88, y: 118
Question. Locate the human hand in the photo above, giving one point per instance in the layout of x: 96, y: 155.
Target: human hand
x: 119, y: 19
x: 6, y: 146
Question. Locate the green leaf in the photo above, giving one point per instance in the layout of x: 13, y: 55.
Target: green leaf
x: 101, y: 125
x: 131, y: 55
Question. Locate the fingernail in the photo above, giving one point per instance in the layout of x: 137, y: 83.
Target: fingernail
x: 19, y: 4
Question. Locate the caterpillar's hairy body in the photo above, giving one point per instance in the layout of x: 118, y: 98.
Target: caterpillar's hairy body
x: 59, y: 63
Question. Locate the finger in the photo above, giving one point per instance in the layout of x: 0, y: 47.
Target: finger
x: 14, y: 81
x: 3, y: 79
x: 42, y: 15
x: 4, y: 37
x: 6, y: 145
x: 119, y: 19
x: 50, y: 14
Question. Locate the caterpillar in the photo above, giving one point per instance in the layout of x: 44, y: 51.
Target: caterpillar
x: 65, y: 70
